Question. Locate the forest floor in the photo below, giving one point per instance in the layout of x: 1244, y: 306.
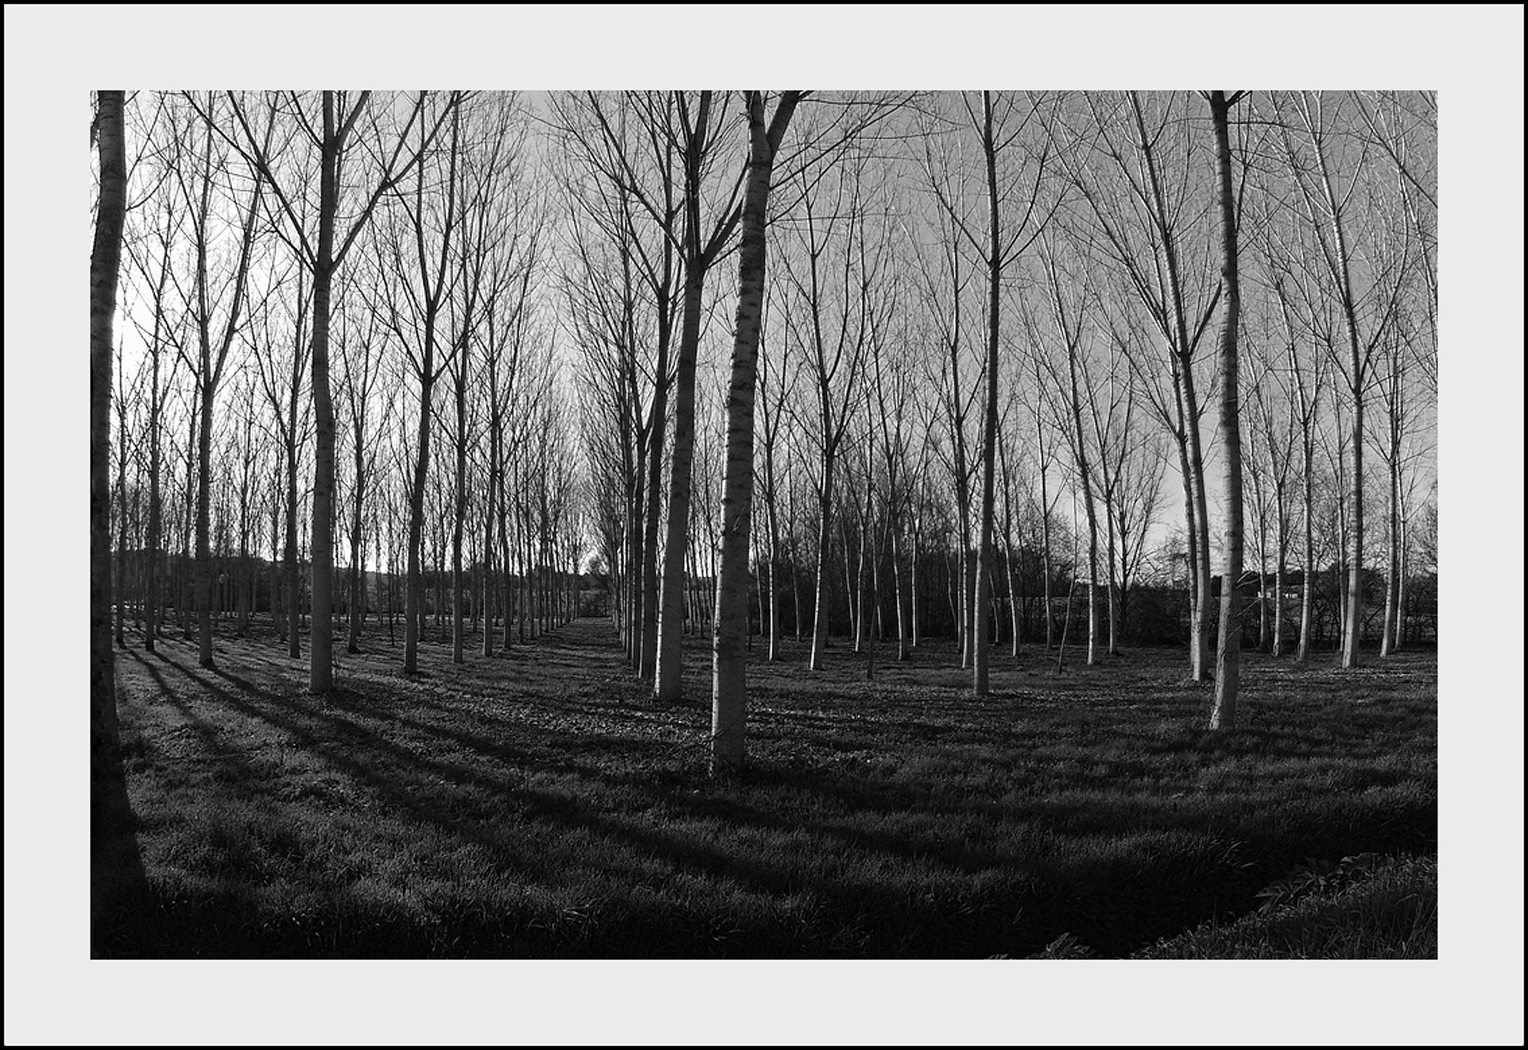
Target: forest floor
x: 537, y: 804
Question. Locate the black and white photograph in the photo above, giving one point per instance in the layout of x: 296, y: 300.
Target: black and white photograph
x: 571, y: 546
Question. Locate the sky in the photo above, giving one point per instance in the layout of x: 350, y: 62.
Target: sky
x: 1166, y: 522
x: 1473, y: 55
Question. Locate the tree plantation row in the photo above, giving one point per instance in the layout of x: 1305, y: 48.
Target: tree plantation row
x: 514, y: 607
x: 1013, y: 368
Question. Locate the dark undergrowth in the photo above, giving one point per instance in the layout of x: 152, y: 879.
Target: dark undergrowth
x: 1391, y: 913
x: 535, y: 804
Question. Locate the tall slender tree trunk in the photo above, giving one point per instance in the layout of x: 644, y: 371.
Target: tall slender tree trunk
x: 647, y: 667
x: 1264, y: 627
x: 967, y: 597
x: 321, y: 649
x: 1111, y: 592
x: 289, y: 554
x: 1353, y: 615
x: 864, y: 584
x: 1191, y: 543
x: 1308, y: 561
x: 774, y: 581
x: 634, y: 557
x: 989, y: 425
x: 1401, y: 636
x: 459, y: 515
x: 105, y: 259
x: 850, y: 592
x: 1390, y: 637
x: 491, y: 592
x: 824, y: 538
x: 1228, y: 652
x: 1045, y: 533
x: 203, y: 564
x: 357, y: 547
x: 1187, y: 410
x: 246, y: 574
x: 681, y: 475
x: 155, y: 581
x: 114, y: 863
x: 1013, y: 595
x: 729, y: 691
x: 1202, y: 627
x: 796, y: 588
x: 904, y: 600
x: 1088, y: 498
x: 1281, y: 541
x: 121, y: 566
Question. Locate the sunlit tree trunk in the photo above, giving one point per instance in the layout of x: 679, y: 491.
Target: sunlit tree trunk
x: 657, y: 424
x: 1281, y: 545
x: 1228, y: 652
x: 1390, y: 636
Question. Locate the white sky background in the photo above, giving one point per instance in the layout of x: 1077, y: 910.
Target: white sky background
x: 1473, y: 55
x: 1166, y: 519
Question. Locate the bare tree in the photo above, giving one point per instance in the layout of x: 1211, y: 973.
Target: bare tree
x: 608, y: 326
x: 841, y: 302
x: 729, y: 690
x: 197, y: 186
x: 1072, y: 301
x: 107, y: 789
x: 416, y: 293
x: 1140, y: 173
x: 1308, y: 325
x: 630, y: 147
x: 487, y: 230
x: 893, y: 395
x: 1317, y: 166
x: 776, y: 387
x: 700, y: 137
x: 999, y: 127
x: 322, y: 252
x: 359, y: 345
x: 290, y: 419
x: 1269, y: 461
x: 152, y: 263
x: 1228, y: 651
x: 945, y: 301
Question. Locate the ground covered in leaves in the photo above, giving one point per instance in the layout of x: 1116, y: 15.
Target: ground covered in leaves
x: 536, y: 804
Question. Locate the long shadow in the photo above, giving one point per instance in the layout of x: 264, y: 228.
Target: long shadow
x: 402, y: 777
x: 117, y: 879
x: 686, y: 851
x: 118, y: 883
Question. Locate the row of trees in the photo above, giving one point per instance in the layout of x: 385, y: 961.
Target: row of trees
x: 969, y: 351
x: 305, y: 333
x: 1002, y: 300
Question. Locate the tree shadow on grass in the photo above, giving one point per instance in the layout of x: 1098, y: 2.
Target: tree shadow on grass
x: 623, y: 849
x: 117, y: 879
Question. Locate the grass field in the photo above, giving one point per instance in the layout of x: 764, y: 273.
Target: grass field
x: 536, y: 804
